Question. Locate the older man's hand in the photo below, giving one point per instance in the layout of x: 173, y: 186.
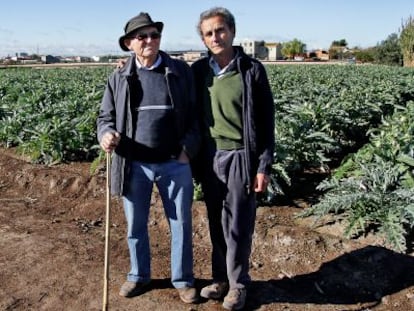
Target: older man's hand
x: 109, y: 141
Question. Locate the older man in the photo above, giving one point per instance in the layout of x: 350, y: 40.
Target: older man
x: 147, y: 120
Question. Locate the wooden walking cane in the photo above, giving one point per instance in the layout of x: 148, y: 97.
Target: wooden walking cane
x: 107, y: 224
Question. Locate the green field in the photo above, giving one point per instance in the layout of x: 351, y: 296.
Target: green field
x: 358, y: 116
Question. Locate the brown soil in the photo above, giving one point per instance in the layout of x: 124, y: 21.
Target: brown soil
x: 52, y: 237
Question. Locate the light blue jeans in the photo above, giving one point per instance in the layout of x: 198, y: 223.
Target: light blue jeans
x: 175, y: 185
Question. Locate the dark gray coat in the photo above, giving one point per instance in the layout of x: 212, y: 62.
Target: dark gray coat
x: 115, y: 112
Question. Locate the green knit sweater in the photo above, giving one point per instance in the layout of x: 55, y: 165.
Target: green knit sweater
x: 226, y: 107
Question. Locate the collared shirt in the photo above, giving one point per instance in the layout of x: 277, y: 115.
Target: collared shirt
x: 155, y: 65
x: 219, y: 72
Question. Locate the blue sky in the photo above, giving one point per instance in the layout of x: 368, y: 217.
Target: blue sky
x: 92, y: 27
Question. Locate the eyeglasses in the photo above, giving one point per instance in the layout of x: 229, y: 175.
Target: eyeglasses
x: 145, y: 36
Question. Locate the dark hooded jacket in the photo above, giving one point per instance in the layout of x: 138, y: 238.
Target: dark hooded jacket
x: 115, y: 112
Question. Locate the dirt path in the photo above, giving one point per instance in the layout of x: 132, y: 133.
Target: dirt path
x: 52, y: 249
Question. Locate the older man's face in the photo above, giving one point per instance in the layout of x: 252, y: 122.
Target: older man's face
x: 145, y: 42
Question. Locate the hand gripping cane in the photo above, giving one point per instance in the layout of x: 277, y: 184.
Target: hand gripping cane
x: 107, y: 224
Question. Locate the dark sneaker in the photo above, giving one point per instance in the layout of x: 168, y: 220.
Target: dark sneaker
x: 217, y: 290
x: 188, y: 294
x: 131, y: 289
x: 235, y: 299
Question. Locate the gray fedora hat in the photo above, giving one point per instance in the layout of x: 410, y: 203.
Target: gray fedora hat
x: 141, y: 20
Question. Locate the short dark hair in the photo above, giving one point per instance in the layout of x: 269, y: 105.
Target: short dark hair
x: 217, y: 11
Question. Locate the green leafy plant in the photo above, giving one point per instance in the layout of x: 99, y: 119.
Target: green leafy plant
x: 50, y: 115
x: 374, y: 199
x: 392, y: 141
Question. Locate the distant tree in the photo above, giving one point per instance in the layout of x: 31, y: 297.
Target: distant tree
x: 36, y: 57
x: 293, y: 48
x: 388, y: 52
x: 341, y: 43
x: 337, y: 49
x: 407, y: 42
x: 365, y: 55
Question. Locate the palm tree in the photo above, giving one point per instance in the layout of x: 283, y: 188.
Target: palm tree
x: 407, y: 42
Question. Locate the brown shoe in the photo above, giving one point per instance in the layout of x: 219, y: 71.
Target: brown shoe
x: 235, y: 299
x: 217, y: 290
x: 131, y: 289
x: 188, y: 294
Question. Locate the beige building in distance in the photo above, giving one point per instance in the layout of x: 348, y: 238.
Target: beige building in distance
x: 262, y: 50
x: 256, y: 49
x: 274, y: 51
